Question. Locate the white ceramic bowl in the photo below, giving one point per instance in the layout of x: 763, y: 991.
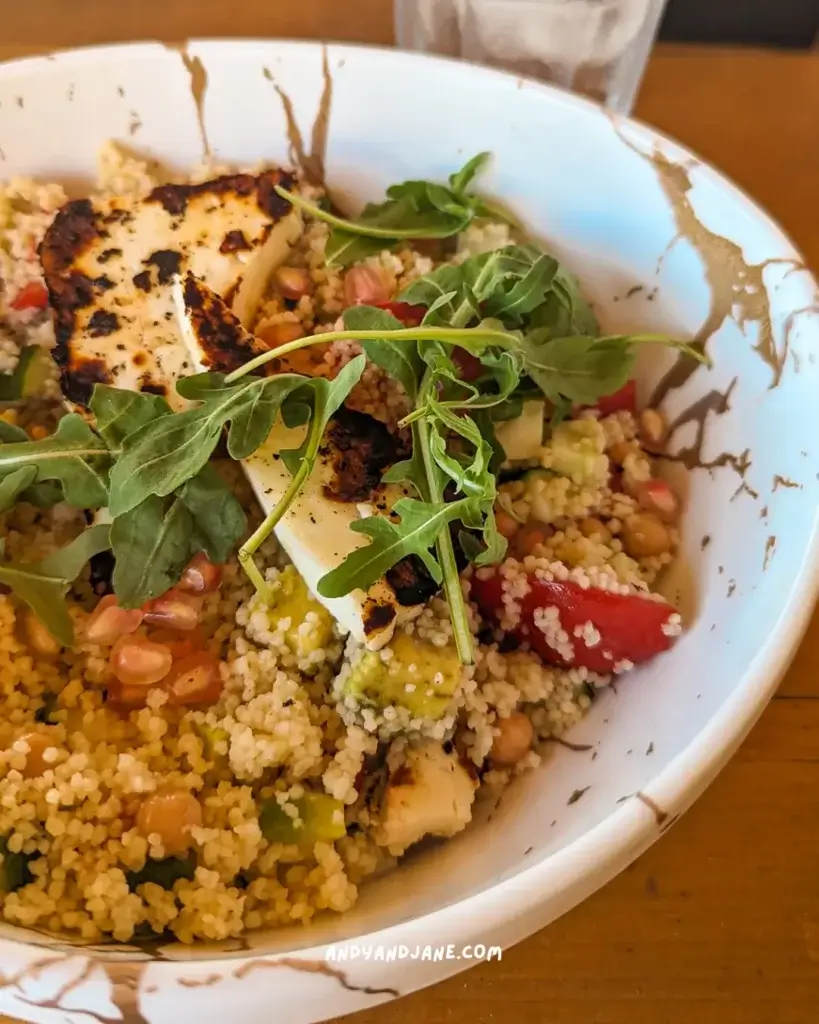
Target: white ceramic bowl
x: 661, y: 242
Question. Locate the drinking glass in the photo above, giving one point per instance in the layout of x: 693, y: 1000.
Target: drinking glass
x: 595, y: 47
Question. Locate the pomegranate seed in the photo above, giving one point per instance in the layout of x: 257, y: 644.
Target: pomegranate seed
x: 366, y: 285
x: 179, y: 644
x: 293, y: 282
x: 122, y: 696
x: 137, y: 661
x: 174, y: 610
x: 274, y: 335
x: 656, y: 496
x: 39, y: 637
x: 108, y: 622
x: 201, y: 576
x: 194, y: 680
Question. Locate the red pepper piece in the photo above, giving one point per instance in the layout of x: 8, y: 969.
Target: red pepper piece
x: 630, y: 626
x: 31, y: 296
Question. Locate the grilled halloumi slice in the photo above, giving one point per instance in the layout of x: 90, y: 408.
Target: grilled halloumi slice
x: 431, y: 794
x: 315, y: 532
x: 110, y: 264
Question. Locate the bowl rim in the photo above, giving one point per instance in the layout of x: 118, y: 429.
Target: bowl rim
x: 592, y: 859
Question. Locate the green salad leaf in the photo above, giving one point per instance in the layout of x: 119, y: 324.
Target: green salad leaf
x: 13, y: 486
x: 163, y: 454
x: 152, y: 544
x: 506, y: 284
x: 44, y: 584
x: 73, y: 455
x: 412, y: 209
x: 414, y: 533
x: 218, y: 517
x: 119, y: 413
x: 583, y: 369
x: 11, y: 434
x: 566, y: 312
x: 327, y: 397
x: 401, y: 362
x: 154, y: 540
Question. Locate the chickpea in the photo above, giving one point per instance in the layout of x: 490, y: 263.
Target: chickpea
x: 592, y: 527
x: 644, y: 535
x: 620, y: 451
x: 653, y: 428
x: 170, y: 814
x: 281, y: 333
x: 38, y: 636
x: 513, y: 740
x: 38, y: 742
x: 293, y: 282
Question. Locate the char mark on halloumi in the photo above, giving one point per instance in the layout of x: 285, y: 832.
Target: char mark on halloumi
x: 110, y: 265
x: 223, y: 343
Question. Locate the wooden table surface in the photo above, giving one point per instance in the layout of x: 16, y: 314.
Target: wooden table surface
x: 719, y: 922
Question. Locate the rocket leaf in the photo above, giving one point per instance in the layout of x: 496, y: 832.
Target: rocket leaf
x: 44, y: 584
x: 73, y: 455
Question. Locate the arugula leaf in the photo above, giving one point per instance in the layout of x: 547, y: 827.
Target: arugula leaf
x: 155, y: 540
x: 43, y: 495
x: 10, y: 434
x: 406, y: 214
x: 119, y: 413
x: 73, y: 455
x: 485, y: 422
x: 566, y: 312
x: 12, y: 486
x: 461, y: 180
x: 507, y: 284
x: 412, y: 209
x: 328, y: 396
x: 401, y: 362
x: 343, y: 248
x: 524, y: 279
x: 218, y: 515
x: 152, y: 545
x: 439, y: 291
x: 417, y: 528
x: 582, y: 369
x: 164, y: 454
x: 44, y: 584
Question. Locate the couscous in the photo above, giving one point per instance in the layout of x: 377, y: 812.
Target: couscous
x: 252, y: 649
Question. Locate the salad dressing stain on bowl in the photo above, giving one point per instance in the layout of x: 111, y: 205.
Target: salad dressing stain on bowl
x: 617, y: 204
